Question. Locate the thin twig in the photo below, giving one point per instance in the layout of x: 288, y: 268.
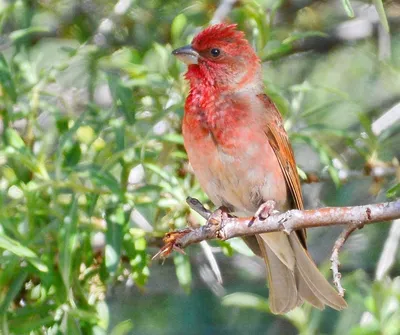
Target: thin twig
x: 384, y: 170
x: 389, y: 251
x: 386, y: 261
x: 335, y: 255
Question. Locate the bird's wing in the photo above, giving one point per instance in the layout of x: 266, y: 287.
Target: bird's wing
x: 279, y: 142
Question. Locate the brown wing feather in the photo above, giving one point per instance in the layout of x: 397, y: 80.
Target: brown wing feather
x: 279, y: 141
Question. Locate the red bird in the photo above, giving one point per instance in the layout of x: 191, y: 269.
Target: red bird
x: 241, y: 155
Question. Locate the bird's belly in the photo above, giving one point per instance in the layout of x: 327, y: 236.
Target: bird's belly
x: 239, y: 174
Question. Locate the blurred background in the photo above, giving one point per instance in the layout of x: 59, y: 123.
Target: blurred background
x: 93, y: 171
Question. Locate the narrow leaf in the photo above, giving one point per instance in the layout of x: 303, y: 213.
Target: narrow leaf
x: 68, y: 242
x: 21, y: 33
x: 13, y: 291
x: 246, y: 300
x: 115, y: 219
x: 183, y: 271
x: 381, y: 12
x: 394, y: 191
x: 348, y: 8
x: 6, y: 81
x: 18, y: 249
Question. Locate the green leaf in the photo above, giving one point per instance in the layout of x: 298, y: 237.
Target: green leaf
x: 246, y: 300
x: 17, y: 35
x: 72, y: 155
x: 69, y: 325
x: 277, y: 53
x: 122, y: 97
x: 173, y: 138
x: 31, y: 324
x: 13, y: 139
x: 300, y: 35
x: 183, y: 271
x: 381, y: 12
x: 104, y: 178
x: 116, y: 219
x: 348, y: 8
x: 325, y: 154
x: 13, y: 291
x: 122, y: 328
x: 6, y: 81
x: 172, y: 180
x: 135, y: 245
x: 394, y: 191
x: 177, y: 26
x: 302, y: 174
x: 18, y: 249
x: 68, y: 242
x: 240, y: 246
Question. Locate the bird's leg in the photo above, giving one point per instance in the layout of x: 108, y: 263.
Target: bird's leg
x: 265, y: 210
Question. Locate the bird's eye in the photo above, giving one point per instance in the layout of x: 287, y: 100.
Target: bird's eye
x: 215, y: 52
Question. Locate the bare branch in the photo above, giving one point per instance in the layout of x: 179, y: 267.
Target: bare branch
x: 376, y: 171
x: 229, y: 226
x: 389, y: 252
x: 223, y: 226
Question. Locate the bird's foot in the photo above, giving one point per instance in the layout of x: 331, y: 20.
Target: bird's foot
x: 218, y: 216
x: 265, y: 210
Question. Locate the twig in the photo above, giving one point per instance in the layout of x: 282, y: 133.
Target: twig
x: 376, y: 171
x: 386, y: 120
x: 389, y: 251
x: 335, y: 255
x: 198, y: 207
x: 385, y: 263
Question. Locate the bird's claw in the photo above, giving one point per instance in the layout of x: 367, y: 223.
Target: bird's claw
x: 218, y: 216
x: 265, y: 210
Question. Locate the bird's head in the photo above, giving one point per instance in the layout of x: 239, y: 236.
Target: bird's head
x: 221, y: 57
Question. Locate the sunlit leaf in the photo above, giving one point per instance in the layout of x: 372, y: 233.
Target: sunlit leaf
x: 381, y: 12
x: 18, y: 249
x: 394, y: 191
x: 116, y: 219
x: 17, y: 35
x: 13, y: 290
x: 183, y: 271
x: 6, y: 80
x: 177, y: 26
x: 348, y: 8
x: 68, y: 240
x: 246, y: 300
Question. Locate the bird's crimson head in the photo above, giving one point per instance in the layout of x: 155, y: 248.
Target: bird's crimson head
x: 221, y: 57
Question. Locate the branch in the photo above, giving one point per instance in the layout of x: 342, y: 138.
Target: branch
x: 335, y: 255
x: 223, y: 226
x: 375, y: 170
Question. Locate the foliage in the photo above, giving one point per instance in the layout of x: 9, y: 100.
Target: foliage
x: 93, y: 169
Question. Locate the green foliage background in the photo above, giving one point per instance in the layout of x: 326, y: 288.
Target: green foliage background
x: 93, y: 171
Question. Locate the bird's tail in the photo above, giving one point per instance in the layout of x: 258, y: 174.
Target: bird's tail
x: 293, y: 276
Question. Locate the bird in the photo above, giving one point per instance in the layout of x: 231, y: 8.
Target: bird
x: 240, y: 153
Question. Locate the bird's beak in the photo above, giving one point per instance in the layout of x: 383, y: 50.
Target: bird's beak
x: 187, y: 55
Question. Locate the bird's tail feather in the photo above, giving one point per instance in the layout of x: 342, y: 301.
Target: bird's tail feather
x: 310, y: 276
x: 293, y: 276
x: 283, y: 295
